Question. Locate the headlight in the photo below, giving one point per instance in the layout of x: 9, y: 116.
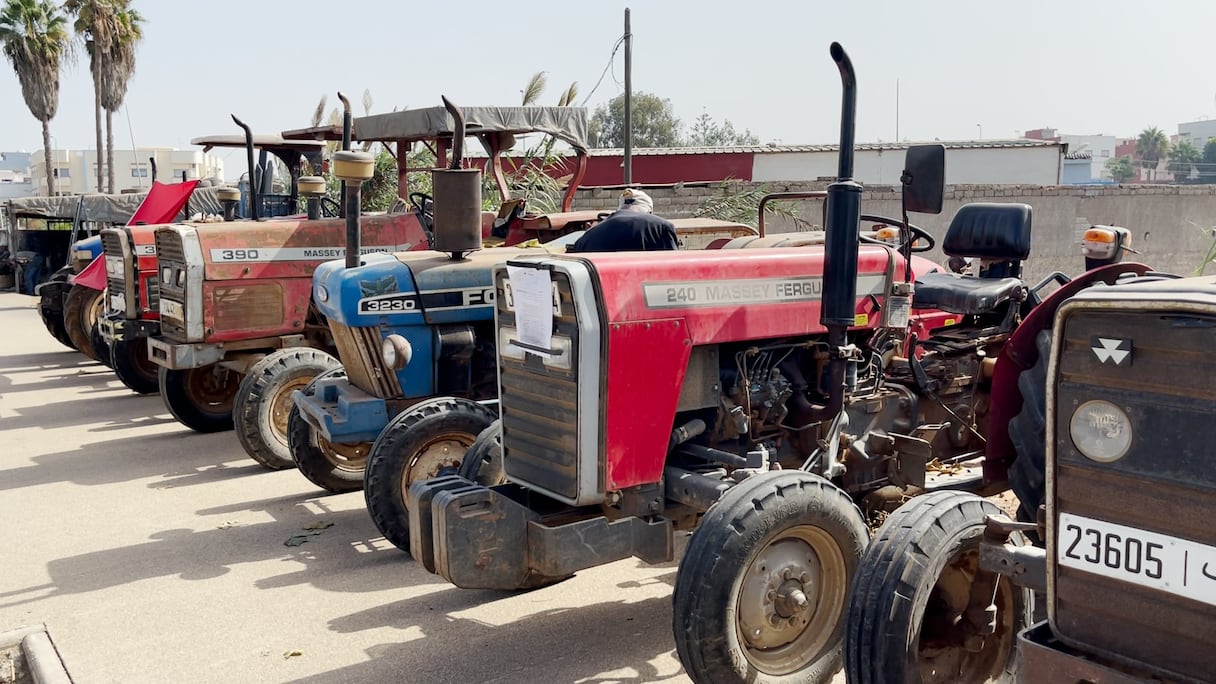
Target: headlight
x: 1101, y: 431
x: 396, y: 352
x: 322, y: 293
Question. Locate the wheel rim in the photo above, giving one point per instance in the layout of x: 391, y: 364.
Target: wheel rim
x: 95, y: 310
x: 950, y: 647
x: 442, y: 451
x: 139, y: 356
x: 790, y: 599
x: 212, y: 389
x: 350, y: 457
x: 280, y: 408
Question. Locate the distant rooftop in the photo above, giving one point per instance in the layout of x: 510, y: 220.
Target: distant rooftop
x: 14, y: 161
x: 776, y: 149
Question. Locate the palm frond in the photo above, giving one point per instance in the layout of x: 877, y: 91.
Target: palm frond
x: 532, y: 91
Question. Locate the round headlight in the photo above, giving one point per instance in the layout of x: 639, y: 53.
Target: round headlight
x: 322, y: 294
x: 396, y: 352
x: 1101, y: 431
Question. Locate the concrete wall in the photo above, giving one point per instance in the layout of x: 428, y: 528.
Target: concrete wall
x: 1014, y: 165
x: 1173, y: 226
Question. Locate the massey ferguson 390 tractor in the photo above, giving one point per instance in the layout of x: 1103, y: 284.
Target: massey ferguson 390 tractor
x: 1129, y: 569
x: 753, y: 396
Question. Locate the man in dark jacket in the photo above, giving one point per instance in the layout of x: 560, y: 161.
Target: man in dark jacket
x: 632, y: 228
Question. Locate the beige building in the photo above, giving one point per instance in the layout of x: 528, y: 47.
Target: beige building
x: 75, y: 171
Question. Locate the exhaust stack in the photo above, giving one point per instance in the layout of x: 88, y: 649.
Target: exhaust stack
x: 354, y: 168
x: 253, y: 190
x: 313, y: 189
x: 346, y: 128
x: 457, y: 194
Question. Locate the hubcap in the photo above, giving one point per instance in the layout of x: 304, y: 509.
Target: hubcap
x: 444, y: 451
x: 281, y: 405
x: 352, y: 457
x: 956, y: 642
x: 790, y: 598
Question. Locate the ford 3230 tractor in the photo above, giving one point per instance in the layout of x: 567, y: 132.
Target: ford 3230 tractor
x: 753, y: 396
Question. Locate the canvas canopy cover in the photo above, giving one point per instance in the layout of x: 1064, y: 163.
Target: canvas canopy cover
x: 568, y: 124
x: 116, y: 209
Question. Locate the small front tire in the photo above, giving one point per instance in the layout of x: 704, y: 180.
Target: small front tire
x: 133, y: 367
x: 200, y: 398
x: 333, y: 467
x: 418, y: 444
x: 263, y: 402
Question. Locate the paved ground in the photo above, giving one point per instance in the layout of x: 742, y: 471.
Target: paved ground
x: 156, y: 554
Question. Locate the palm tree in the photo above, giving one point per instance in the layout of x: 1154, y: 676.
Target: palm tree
x: 1151, y: 147
x: 110, y: 29
x: 35, y: 39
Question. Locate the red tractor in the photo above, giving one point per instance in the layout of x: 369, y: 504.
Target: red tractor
x: 760, y: 398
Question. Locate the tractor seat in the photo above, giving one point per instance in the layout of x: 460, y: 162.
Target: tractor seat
x: 964, y: 295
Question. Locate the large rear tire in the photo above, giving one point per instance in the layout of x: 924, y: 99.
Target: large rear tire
x: 263, y: 402
x: 333, y: 467
x: 760, y: 595
x: 131, y: 364
x: 81, y: 309
x: 51, y: 312
x: 1028, y: 432
x: 200, y: 398
x: 917, y: 593
x: 421, y: 441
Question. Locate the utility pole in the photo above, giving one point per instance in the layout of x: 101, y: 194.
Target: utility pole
x: 628, y: 101
x: 897, y: 110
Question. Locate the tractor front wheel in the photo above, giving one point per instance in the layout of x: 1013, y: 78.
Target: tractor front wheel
x: 81, y: 309
x: 50, y: 307
x: 760, y: 595
x: 483, y: 461
x: 263, y: 402
x: 200, y: 398
x: 922, y: 610
x: 133, y: 367
x: 333, y: 467
x: 418, y: 444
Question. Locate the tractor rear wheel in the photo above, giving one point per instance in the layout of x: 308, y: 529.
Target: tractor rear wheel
x: 133, y: 367
x: 333, y: 467
x: 263, y: 401
x: 81, y: 309
x: 1028, y: 432
x: 920, y: 607
x: 52, y: 312
x: 760, y: 595
x: 200, y: 398
x: 421, y: 441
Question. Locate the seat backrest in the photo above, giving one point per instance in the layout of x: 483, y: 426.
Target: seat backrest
x: 989, y: 230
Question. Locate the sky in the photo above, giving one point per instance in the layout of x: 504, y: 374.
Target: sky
x: 965, y: 68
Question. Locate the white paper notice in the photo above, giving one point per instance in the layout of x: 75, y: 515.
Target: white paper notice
x: 532, y: 290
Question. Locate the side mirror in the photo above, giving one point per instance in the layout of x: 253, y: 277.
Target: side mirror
x: 924, y: 178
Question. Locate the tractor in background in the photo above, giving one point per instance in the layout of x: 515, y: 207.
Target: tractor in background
x: 1120, y: 402
x: 757, y: 397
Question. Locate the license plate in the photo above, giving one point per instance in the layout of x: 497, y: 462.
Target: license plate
x: 1157, y: 561
x: 172, y: 309
x: 118, y: 302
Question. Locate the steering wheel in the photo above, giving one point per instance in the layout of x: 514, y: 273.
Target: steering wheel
x: 422, y: 203
x: 916, y: 233
x: 330, y: 208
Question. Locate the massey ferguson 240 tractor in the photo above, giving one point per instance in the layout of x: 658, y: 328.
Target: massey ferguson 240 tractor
x: 753, y: 396
x: 1129, y: 569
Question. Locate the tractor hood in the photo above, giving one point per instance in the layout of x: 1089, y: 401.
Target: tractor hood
x: 294, y: 248
x: 729, y: 294
x: 412, y: 288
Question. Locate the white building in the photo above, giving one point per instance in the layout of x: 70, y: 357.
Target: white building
x: 1198, y: 132
x: 1101, y: 149
x: 75, y: 171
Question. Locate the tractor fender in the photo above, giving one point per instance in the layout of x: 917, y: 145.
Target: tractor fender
x: 1020, y: 354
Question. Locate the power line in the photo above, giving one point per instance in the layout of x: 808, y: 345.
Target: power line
x: 620, y: 41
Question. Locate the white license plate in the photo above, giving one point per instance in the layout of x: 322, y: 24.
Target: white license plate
x: 1157, y: 561
x: 510, y: 299
x: 172, y: 309
x: 118, y: 302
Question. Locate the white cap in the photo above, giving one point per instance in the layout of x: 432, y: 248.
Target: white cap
x: 635, y: 200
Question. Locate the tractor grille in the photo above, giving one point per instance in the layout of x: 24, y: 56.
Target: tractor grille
x: 247, y: 306
x: 540, y: 404
x: 1111, y: 551
x: 359, y: 351
x: 153, y: 285
x: 122, y: 282
x: 171, y: 267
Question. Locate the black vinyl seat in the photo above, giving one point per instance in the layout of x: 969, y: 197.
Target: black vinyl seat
x: 999, y: 235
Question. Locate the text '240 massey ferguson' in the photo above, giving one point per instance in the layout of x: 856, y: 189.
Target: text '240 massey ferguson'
x: 754, y: 396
